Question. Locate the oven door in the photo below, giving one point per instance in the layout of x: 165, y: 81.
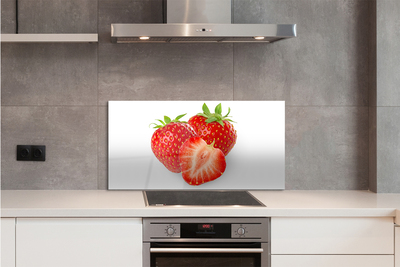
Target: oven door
x: 178, y: 254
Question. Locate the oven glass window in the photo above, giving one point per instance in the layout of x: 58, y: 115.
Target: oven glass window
x: 205, y: 260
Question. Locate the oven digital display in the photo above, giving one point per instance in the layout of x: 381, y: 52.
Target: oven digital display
x: 205, y: 227
x: 205, y: 230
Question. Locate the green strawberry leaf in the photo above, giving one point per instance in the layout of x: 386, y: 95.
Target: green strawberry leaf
x: 161, y: 122
x: 229, y: 111
x: 218, y: 109
x: 206, y: 110
x: 156, y: 125
x: 211, y: 119
x: 202, y: 114
x: 167, y: 119
x: 180, y: 116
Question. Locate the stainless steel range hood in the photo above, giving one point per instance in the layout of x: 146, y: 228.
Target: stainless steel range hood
x: 199, y: 21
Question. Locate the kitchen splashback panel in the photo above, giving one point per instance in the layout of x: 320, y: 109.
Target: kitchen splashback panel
x: 256, y: 162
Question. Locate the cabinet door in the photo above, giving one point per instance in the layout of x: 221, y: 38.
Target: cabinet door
x: 332, y: 235
x: 78, y: 242
x: 397, y: 246
x: 7, y: 255
x: 332, y: 260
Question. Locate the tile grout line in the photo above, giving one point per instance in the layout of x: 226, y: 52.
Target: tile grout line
x: 15, y: 241
x: 61, y: 106
x: 97, y: 103
x: 233, y: 73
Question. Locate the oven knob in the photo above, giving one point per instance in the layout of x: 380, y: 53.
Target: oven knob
x: 241, y: 231
x: 170, y: 231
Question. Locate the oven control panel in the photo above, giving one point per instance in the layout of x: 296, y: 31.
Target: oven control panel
x: 206, y: 229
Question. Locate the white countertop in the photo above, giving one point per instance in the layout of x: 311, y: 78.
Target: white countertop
x: 103, y: 203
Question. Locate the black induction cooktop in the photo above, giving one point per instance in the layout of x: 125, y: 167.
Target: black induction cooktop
x: 200, y: 198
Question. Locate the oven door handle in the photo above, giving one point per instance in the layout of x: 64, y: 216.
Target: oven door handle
x: 206, y: 250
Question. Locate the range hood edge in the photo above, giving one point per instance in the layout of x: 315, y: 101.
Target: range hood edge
x: 201, y: 32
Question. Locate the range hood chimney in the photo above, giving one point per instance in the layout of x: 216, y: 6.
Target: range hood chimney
x: 200, y: 21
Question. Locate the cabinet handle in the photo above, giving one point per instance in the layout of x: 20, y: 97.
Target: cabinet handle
x: 206, y: 250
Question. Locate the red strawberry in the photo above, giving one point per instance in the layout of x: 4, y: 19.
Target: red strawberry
x: 167, y: 140
x: 200, y: 163
x: 215, y: 127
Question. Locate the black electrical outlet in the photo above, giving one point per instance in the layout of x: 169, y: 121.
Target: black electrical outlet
x: 31, y: 153
x: 24, y: 152
x: 38, y: 153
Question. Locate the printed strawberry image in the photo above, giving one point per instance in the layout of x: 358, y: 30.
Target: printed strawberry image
x: 200, y: 163
x: 215, y: 128
x: 167, y: 140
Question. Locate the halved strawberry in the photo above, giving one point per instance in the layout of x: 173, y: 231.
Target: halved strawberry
x: 200, y: 163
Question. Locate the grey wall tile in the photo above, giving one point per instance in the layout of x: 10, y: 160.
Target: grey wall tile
x: 388, y: 46
x: 165, y: 72
x: 126, y: 11
x: 49, y: 74
x: 386, y: 110
x: 260, y: 72
x: 267, y: 11
x: 8, y: 16
x: 327, y: 148
x: 70, y: 137
x: 388, y: 149
x: 57, y: 16
x: 327, y: 64
x: 103, y: 148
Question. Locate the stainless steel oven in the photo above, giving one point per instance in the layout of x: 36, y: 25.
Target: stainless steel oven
x: 198, y: 242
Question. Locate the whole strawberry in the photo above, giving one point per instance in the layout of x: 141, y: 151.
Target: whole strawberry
x: 167, y: 140
x: 213, y: 127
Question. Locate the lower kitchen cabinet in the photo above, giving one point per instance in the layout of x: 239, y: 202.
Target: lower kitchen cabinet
x: 78, y: 242
x: 332, y: 260
x: 328, y: 242
x: 397, y: 246
x: 340, y: 236
x: 7, y: 242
